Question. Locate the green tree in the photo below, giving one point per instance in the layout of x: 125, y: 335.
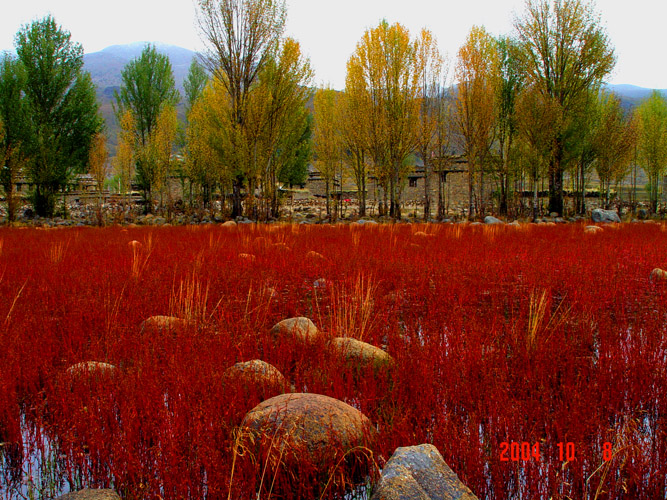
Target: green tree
x: 295, y: 170
x: 652, y: 141
x: 15, y: 140
x: 565, y: 53
x: 147, y: 86
x: 194, y: 84
x: 62, y: 106
x: 278, y: 119
x: 508, y: 83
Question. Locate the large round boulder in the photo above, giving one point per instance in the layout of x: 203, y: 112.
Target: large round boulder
x: 90, y: 494
x: 419, y: 473
x: 361, y: 353
x: 301, y: 328
x: 309, y: 429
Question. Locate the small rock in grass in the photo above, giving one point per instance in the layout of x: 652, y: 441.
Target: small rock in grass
x: 489, y: 219
x: 300, y: 328
x: 256, y: 375
x: 658, y: 275
x: 362, y: 353
x: 91, y: 368
x: 422, y: 234
x: 315, y: 256
x: 247, y: 257
x: 320, y: 283
x: 156, y: 324
x: 592, y: 229
x: 229, y: 223
x: 600, y: 215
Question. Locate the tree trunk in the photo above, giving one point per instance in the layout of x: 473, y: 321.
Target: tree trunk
x: 556, y: 179
x: 326, y: 182
x: 237, y: 208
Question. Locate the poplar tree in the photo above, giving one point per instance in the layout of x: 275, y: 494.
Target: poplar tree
x: 652, y: 142
x: 385, y: 69
x: 327, y: 140
x: 147, y: 87
x: 565, y: 53
x: 15, y: 138
x: 62, y: 109
x: 476, y: 109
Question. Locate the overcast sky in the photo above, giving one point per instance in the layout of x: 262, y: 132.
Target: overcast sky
x: 329, y: 30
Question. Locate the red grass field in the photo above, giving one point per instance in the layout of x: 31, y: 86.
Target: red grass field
x: 534, y: 358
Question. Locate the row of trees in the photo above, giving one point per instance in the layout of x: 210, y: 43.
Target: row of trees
x: 524, y: 108
x: 247, y: 126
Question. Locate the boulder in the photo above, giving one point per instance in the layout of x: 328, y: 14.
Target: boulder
x: 419, y: 473
x: 156, y: 324
x: 90, y: 494
x: 361, y: 353
x: 642, y: 214
x: 320, y: 283
x: 658, y: 275
x: 91, y: 369
x: 256, y: 376
x: 600, y: 215
x: 247, y: 257
x: 300, y: 328
x: 282, y: 247
x: 229, y: 223
x: 489, y: 219
x: 423, y: 234
x: 315, y: 256
x: 313, y: 428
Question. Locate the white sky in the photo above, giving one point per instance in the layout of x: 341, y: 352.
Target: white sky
x: 329, y: 30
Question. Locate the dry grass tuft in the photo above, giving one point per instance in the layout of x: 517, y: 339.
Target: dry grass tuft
x: 352, y: 308
x: 57, y: 251
x: 190, y: 300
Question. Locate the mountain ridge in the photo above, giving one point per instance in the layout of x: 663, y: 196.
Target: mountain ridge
x: 105, y: 68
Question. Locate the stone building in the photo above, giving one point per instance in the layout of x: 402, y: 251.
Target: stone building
x: 453, y: 180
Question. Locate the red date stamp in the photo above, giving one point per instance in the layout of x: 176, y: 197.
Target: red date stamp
x: 524, y: 451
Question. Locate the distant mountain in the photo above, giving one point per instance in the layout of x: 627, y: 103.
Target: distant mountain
x: 105, y: 68
x: 106, y: 65
x: 632, y: 95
